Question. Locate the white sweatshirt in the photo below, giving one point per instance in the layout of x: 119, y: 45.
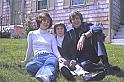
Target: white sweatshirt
x: 41, y: 41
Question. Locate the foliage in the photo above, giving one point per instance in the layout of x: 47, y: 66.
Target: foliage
x: 4, y: 34
x: 12, y: 52
x: 29, y: 25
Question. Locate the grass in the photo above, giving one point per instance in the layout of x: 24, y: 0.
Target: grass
x: 12, y: 52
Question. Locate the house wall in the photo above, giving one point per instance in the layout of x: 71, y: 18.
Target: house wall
x: 96, y: 12
x: 1, y: 8
x: 4, y: 12
x: 115, y: 16
x: 122, y: 11
x: 11, y: 11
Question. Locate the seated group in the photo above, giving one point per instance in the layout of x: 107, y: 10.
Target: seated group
x: 82, y: 50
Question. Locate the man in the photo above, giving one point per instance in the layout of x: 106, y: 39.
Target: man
x: 84, y: 43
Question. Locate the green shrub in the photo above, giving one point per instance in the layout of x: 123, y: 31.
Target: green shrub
x: 4, y: 34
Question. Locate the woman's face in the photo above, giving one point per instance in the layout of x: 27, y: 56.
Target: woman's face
x: 45, y: 24
x: 76, y: 21
x: 60, y: 31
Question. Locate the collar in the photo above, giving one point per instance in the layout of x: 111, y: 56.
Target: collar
x: 42, y: 31
x: 60, y: 37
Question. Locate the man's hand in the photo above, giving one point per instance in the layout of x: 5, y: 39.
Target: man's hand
x: 80, y: 43
x: 82, y: 38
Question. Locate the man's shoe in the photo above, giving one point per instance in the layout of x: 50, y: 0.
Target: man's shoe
x: 39, y: 79
x: 67, y: 74
x: 43, y: 78
x: 94, y: 76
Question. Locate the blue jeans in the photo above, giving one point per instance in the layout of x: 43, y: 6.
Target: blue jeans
x: 97, y: 35
x: 43, y: 64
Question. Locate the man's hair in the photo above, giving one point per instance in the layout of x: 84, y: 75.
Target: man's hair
x: 74, y: 14
x: 41, y: 17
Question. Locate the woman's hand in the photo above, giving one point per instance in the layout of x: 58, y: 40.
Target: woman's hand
x: 23, y: 62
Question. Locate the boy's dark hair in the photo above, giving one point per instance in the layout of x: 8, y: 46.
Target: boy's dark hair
x: 60, y: 24
x: 41, y: 17
x: 75, y: 13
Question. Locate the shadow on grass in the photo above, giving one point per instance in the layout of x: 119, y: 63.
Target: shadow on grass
x: 118, y: 73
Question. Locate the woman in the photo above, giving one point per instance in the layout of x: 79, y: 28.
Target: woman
x: 44, y: 46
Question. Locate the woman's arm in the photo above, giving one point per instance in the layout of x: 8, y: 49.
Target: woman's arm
x: 55, y: 48
x: 29, y: 47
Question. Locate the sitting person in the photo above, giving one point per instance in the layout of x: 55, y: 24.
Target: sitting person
x: 84, y: 43
x: 46, y: 54
x: 71, y: 66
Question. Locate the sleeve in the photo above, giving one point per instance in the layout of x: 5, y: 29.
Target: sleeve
x: 65, y: 46
x: 96, y: 29
x: 29, y: 47
x: 68, y: 46
x: 55, y: 48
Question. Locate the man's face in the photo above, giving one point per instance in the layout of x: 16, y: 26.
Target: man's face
x: 76, y: 21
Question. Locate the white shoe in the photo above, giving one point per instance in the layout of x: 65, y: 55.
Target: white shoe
x: 44, y: 78
x: 79, y: 70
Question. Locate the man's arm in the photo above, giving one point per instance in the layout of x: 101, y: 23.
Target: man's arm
x: 93, y: 30
x: 82, y: 39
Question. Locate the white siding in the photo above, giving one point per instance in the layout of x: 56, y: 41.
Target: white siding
x: 98, y: 11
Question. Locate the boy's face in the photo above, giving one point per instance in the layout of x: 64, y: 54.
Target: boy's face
x: 76, y: 21
x: 60, y: 31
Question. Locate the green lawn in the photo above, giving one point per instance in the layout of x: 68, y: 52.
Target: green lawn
x: 12, y: 52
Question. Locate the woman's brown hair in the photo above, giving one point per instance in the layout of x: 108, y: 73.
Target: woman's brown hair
x: 41, y: 17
